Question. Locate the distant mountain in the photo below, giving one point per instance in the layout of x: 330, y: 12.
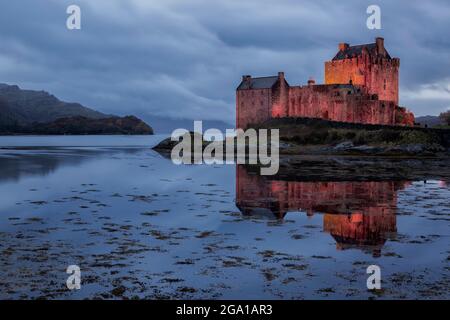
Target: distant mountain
x: 29, y: 111
x: 429, y: 121
x: 27, y: 106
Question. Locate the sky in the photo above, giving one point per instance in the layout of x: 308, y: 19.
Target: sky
x: 183, y: 59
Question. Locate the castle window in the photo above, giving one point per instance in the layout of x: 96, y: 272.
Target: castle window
x: 384, y: 84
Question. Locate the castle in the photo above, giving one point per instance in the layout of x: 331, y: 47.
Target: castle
x: 361, y: 86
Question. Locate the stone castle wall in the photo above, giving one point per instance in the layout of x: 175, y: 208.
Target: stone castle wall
x: 329, y: 102
x: 253, y: 106
x: 378, y: 75
x: 346, y: 104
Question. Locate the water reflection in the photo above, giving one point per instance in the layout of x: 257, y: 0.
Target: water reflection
x: 357, y: 214
x: 16, y: 163
x: 23, y: 156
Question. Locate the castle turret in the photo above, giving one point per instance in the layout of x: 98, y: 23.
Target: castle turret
x: 380, y: 46
x: 368, y: 65
x: 343, y: 46
x: 281, y: 93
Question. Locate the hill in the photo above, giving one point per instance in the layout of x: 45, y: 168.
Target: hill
x: 39, y: 112
x: 429, y: 121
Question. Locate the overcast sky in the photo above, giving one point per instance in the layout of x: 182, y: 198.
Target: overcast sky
x: 184, y: 59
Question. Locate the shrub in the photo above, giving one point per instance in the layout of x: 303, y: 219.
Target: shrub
x: 445, y: 116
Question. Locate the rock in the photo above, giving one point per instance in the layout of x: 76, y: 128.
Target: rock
x: 413, y: 148
x: 284, y: 145
x: 119, y: 291
x: 367, y: 149
x: 167, y: 144
x: 408, y: 148
x: 344, y: 146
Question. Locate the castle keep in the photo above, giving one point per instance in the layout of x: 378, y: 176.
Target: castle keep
x: 361, y: 86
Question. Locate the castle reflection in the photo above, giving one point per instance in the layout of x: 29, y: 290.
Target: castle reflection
x: 357, y: 214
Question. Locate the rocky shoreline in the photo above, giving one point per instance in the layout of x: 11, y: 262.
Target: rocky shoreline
x: 308, y: 136
x: 346, y: 148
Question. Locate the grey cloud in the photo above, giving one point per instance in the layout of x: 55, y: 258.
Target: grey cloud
x: 183, y: 59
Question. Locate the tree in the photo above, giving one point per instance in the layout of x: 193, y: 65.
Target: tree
x: 445, y: 116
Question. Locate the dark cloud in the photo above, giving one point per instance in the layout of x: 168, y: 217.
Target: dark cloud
x: 183, y: 59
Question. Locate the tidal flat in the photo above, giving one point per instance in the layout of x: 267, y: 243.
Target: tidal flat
x: 140, y: 227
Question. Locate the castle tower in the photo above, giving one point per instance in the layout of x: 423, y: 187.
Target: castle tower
x: 368, y: 65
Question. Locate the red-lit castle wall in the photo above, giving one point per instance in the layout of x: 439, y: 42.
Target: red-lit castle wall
x: 339, y: 103
x: 378, y: 73
x: 359, y: 89
x: 253, y: 106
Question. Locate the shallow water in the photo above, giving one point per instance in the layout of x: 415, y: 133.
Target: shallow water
x: 140, y: 227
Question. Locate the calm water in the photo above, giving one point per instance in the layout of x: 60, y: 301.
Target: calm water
x: 140, y: 227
